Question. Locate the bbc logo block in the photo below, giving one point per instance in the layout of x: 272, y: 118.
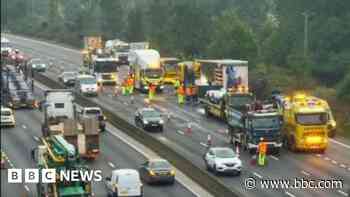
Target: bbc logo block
x: 31, y: 175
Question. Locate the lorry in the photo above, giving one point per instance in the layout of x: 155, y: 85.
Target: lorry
x: 248, y: 129
x: 146, y: 69
x: 305, y: 123
x: 91, y: 45
x: 169, y: 65
x: 105, y: 69
x: 60, y: 118
x: 55, y: 152
x: 225, y: 86
x: 119, y: 50
x: 16, y: 92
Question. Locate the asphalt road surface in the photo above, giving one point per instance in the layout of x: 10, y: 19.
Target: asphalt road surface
x: 333, y: 165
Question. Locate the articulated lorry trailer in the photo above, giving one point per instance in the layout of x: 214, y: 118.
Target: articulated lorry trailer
x: 224, y: 86
x: 61, y: 119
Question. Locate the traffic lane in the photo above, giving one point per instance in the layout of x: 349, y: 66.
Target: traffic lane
x: 189, y: 144
x: 120, y: 155
x: 187, y: 147
x: 30, y: 121
x: 63, y: 53
x: 117, y: 154
x: 11, y: 189
x: 17, y: 143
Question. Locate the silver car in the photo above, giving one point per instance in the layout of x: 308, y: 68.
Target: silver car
x: 222, y: 160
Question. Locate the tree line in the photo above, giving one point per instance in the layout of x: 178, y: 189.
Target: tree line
x: 268, y: 33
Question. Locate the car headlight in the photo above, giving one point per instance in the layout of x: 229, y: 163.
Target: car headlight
x: 145, y: 122
x: 34, y: 66
x: 145, y: 87
x: 172, y: 172
x: 161, y: 121
x: 161, y: 87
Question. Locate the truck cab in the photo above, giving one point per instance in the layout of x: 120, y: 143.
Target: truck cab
x: 169, y: 66
x: 146, y: 68
x: 247, y: 129
x: 306, y: 124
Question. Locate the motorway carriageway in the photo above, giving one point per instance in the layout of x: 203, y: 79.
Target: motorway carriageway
x: 334, y: 164
x: 17, y: 142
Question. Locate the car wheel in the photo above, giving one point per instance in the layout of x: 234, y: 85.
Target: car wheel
x: 214, y: 170
x: 206, y: 165
x: 172, y: 182
x: 161, y: 128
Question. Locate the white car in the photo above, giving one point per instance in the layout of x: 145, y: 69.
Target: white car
x: 223, y: 160
x: 87, y: 85
x: 7, y: 117
x: 124, y: 182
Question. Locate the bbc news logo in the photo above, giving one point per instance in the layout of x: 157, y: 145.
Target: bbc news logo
x: 50, y: 175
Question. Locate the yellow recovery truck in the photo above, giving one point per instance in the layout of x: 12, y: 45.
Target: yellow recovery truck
x: 306, y: 123
x: 169, y: 65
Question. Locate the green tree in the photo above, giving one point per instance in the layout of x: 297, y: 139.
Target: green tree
x: 231, y: 38
x: 135, y: 26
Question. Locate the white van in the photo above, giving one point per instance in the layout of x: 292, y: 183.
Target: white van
x: 7, y: 117
x: 87, y: 85
x: 124, y: 182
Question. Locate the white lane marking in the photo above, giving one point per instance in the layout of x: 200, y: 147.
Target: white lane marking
x: 257, y: 175
x: 342, y: 193
x: 342, y: 165
x: 24, y: 126
x: 289, y: 194
x: 147, y: 156
x: 26, y: 187
x: 348, y: 169
x: 162, y: 138
x: 111, y: 164
x: 340, y: 143
x: 305, y: 173
x: 204, y: 144
x: 180, y: 132
x: 327, y: 158
x: 274, y: 157
x: 334, y: 162
x: 319, y: 155
x: 36, y: 138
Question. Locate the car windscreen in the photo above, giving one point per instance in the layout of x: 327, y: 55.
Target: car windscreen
x: 106, y: 66
x: 88, y: 81
x: 153, y: 73
x: 93, y: 112
x: 160, y: 165
x: 151, y: 114
x: 225, y: 153
x: 266, y: 122
x: 5, y: 113
x: 312, y: 119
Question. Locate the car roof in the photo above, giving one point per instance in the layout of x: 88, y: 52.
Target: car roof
x: 148, y: 109
x: 120, y: 172
x: 85, y: 76
x: 157, y: 160
x: 220, y: 148
x: 6, y: 109
x: 92, y: 108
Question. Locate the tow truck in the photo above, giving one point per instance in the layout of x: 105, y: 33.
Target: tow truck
x: 306, y: 121
x: 55, y: 152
